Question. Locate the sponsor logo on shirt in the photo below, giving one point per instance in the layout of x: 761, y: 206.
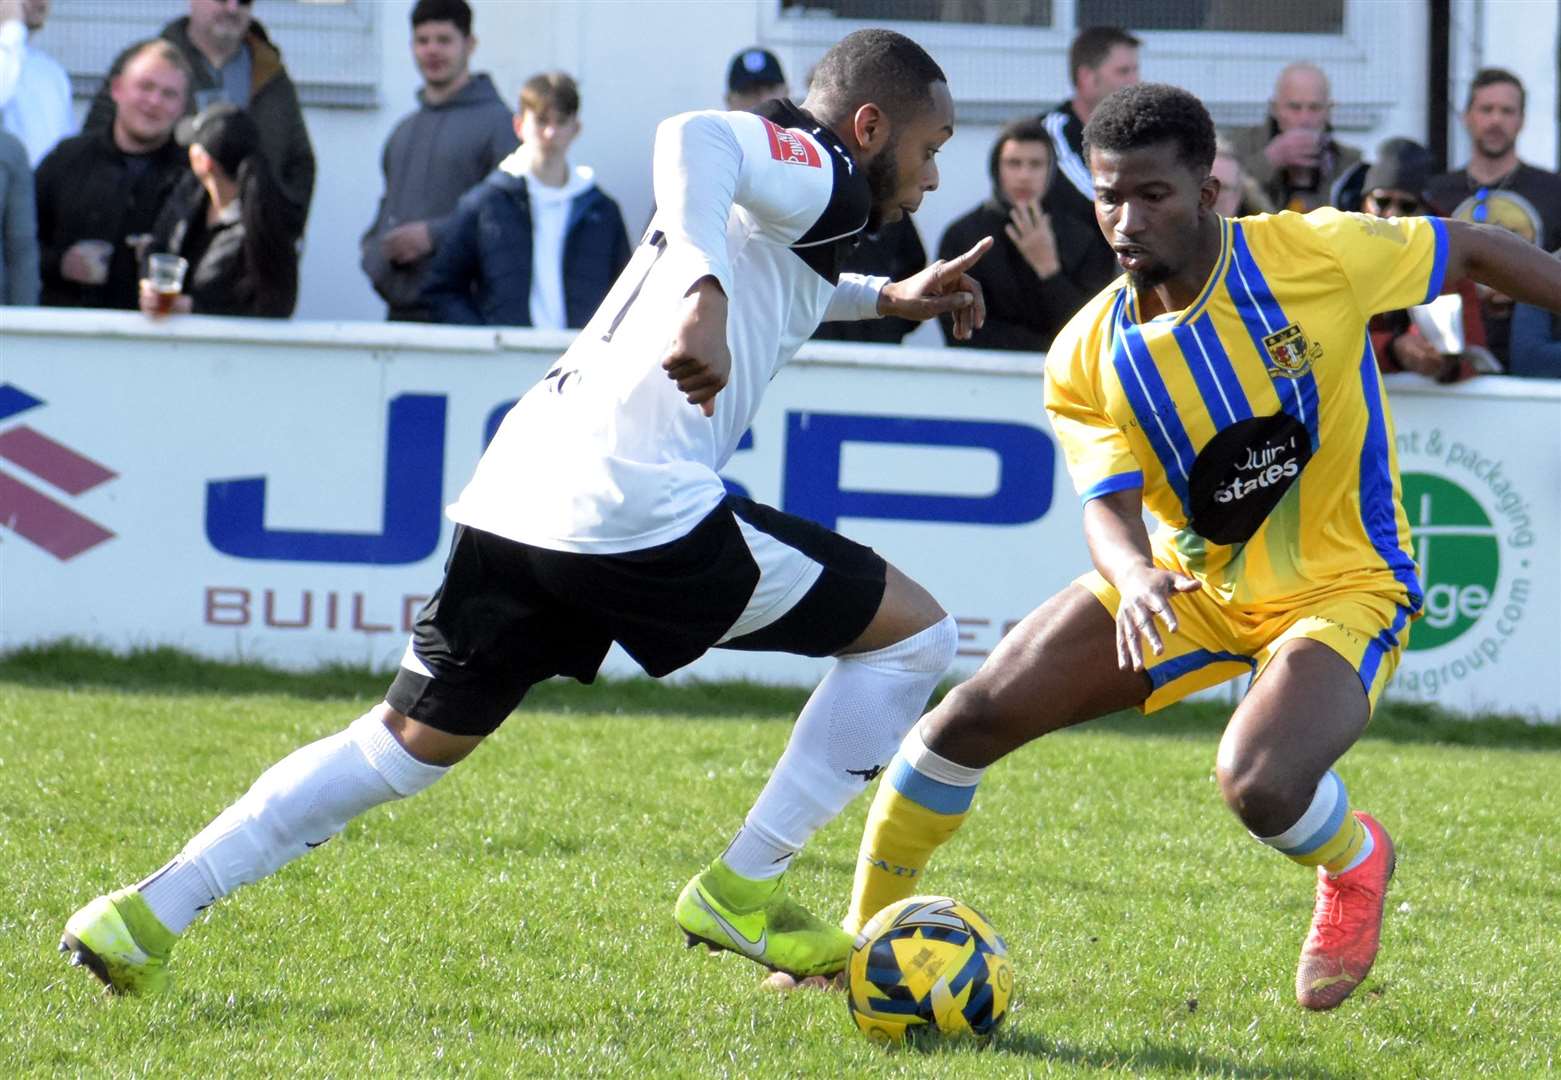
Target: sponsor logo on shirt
x: 1263, y: 467
x: 1242, y: 473
x: 789, y: 147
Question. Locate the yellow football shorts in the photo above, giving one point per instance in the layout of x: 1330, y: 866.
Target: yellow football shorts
x: 1215, y: 642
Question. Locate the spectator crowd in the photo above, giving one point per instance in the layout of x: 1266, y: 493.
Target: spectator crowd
x: 195, y: 148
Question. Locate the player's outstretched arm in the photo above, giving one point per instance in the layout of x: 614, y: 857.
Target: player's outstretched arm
x: 697, y: 357
x: 941, y: 288
x: 1119, y: 547
x: 1507, y: 263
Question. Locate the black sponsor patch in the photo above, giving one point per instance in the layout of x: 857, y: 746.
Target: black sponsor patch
x: 1242, y: 473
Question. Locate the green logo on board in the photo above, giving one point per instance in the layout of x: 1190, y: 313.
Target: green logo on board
x: 1459, y: 554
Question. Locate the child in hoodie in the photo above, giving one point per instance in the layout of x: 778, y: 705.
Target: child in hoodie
x: 537, y: 243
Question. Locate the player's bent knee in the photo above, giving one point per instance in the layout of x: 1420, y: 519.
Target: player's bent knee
x: 1261, y: 794
x: 428, y: 745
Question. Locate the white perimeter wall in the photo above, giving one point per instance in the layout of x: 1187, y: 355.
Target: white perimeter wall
x: 245, y: 502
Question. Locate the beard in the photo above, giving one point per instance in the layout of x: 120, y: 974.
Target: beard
x: 882, y: 184
x: 1494, y: 144
x: 1152, y: 277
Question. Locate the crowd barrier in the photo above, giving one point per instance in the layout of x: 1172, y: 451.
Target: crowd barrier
x: 268, y: 491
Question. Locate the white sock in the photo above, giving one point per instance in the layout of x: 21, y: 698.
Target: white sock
x: 297, y: 804
x: 843, y: 738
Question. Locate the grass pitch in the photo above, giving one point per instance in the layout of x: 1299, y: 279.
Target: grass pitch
x: 516, y: 918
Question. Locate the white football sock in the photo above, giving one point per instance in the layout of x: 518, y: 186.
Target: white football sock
x: 297, y: 804
x: 846, y: 733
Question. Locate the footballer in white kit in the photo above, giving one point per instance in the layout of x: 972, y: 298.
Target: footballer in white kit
x: 597, y: 515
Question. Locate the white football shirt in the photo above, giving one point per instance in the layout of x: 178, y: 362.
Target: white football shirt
x: 604, y: 454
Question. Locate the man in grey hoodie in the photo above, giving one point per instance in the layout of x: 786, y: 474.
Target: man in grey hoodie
x: 459, y: 133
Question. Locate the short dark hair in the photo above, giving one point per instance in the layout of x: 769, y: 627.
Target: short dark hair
x: 1029, y: 129
x: 551, y: 91
x: 1138, y: 116
x: 458, y: 12
x: 1093, y: 45
x: 883, y: 67
x: 1490, y: 77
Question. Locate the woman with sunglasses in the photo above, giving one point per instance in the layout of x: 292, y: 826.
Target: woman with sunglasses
x: 1392, y: 188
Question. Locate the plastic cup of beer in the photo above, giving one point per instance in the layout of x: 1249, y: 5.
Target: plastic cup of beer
x: 165, y: 273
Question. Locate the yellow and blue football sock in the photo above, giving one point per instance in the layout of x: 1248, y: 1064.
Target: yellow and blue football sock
x: 921, y: 802
x: 1328, y: 834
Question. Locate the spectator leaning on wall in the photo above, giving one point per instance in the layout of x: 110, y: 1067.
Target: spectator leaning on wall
x: 18, y: 225
x: 34, y: 89
x: 227, y: 219
x: 232, y: 59
x: 458, y: 135
x: 99, y: 192
x: 536, y: 243
x: 1034, y: 276
x: 1292, y: 154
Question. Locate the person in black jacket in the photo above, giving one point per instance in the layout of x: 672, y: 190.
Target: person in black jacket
x: 99, y: 192
x: 232, y: 59
x: 228, y: 219
x: 1039, y: 271
x: 536, y: 243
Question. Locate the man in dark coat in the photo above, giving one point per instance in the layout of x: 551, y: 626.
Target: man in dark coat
x: 99, y: 192
x: 232, y: 59
x: 1042, y: 266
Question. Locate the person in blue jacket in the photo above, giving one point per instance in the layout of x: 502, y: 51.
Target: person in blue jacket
x: 1534, y: 346
x: 536, y: 243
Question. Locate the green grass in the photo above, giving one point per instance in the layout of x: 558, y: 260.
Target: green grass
x: 515, y: 919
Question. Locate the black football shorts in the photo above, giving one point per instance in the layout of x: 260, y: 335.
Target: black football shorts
x: 509, y: 615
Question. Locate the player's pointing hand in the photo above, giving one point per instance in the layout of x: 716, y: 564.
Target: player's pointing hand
x: 942, y: 288
x: 697, y: 357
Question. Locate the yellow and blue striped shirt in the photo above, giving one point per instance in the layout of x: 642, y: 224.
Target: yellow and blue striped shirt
x: 1254, y: 420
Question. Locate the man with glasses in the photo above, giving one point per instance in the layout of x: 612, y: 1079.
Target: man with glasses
x: 234, y: 60
x: 1495, y: 187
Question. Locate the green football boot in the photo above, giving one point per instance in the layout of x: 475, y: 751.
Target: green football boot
x: 119, y: 940
x: 756, y: 919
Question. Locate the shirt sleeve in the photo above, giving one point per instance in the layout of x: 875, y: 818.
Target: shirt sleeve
x: 707, y: 162
x: 1100, y: 459
x: 13, y: 43
x: 1390, y: 263
x: 856, y: 297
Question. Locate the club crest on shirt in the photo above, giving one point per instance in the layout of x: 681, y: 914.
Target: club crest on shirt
x: 1290, y: 352
x: 789, y: 147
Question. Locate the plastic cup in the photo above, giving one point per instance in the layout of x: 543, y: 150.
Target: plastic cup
x: 165, y: 273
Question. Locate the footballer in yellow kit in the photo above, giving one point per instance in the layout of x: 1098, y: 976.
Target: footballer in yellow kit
x: 1255, y: 428
x: 1226, y: 385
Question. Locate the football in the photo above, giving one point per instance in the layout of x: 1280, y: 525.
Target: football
x: 928, y: 964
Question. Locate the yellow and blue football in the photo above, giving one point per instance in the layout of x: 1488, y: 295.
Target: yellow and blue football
x: 928, y: 964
